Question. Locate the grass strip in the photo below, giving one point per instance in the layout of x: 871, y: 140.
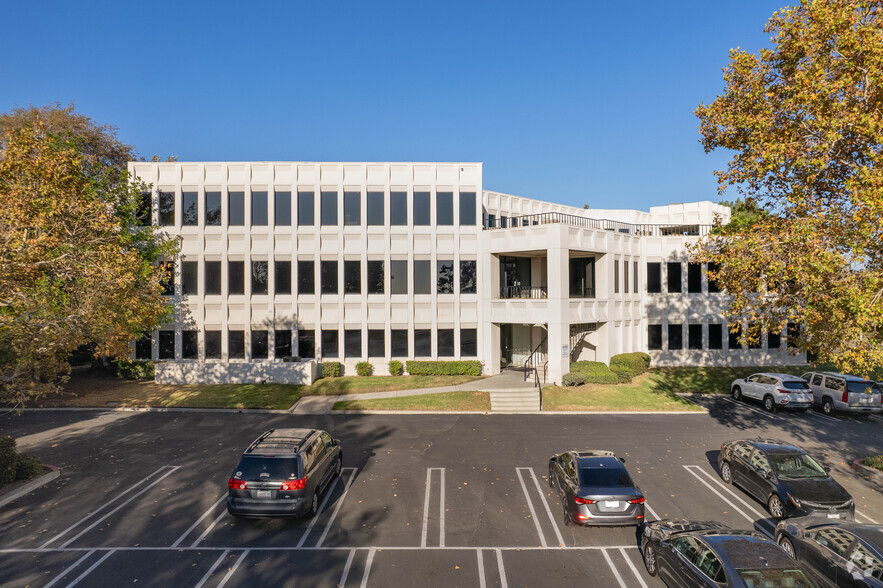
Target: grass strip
x: 875, y: 461
x: 443, y: 401
x: 366, y: 384
x: 640, y: 395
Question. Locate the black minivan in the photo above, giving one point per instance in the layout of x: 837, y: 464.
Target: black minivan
x: 283, y: 473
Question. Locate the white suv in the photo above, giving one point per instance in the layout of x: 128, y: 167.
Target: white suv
x: 774, y: 390
x: 833, y: 392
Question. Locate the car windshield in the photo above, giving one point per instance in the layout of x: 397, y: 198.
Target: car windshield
x: 267, y: 468
x: 796, y: 465
x: 775, y: 578
x: 604, y: 478
x: 860, y: 387
x: 795, y: 385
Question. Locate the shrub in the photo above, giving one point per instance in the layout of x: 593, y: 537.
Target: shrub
x: 134, y: 369
x: 624, y: 374
x: 444, y: 368
x: 396, y: 368
x: 7, y: 460
x: 364, y: 368
x: 594, y: 372
x: 637, y: 362
x: 573, y: 379
x: 27, y: 466
x: 332, y: 369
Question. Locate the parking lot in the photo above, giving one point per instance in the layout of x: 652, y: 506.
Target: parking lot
x: 453, y: 500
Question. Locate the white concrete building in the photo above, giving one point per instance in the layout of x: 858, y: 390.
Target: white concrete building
x: 378, y: 261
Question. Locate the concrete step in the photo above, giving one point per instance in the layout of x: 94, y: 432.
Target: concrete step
x: 515, y: 400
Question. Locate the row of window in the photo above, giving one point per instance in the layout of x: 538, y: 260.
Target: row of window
x: 715, y: 337
x: 420, y: 204
x: 674, y: 278
x: 625, y: 277
x: 305, y: 344
x: 353, y: 282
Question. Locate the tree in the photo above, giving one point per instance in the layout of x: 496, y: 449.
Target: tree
x: 75, y: 266
x: 804, y: 120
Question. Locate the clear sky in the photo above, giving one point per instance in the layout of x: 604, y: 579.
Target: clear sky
x: 581, y: 102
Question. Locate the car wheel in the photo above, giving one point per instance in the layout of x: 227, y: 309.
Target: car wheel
x: 827, y: 406
x: 338, y: 467
x: 551, y: 478
x: 769, y: 403
x: 775, y: 507
x: 314, y: 505
x: 737, y: 393
x: 786, y: 545
x: 567, y: 519
x: 650, y: 560
x: 726, y: 472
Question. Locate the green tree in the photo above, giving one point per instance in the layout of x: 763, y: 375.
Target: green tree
x: 804, y: 121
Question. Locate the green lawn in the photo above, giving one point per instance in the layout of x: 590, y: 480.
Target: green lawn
x: 875, y: 462
x: 640, y: 395
x: 361, y: 385
x: 711, y: 380
x: 466, y: 401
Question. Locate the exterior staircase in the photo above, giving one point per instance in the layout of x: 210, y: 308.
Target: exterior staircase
x: 515, y: 400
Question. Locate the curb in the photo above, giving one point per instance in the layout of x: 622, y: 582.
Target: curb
x: 536, y: 412
x: 29, y: 487
x: 155, y: 409
x: 867, y: 473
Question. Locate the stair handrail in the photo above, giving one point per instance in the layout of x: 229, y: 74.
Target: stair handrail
x: 529, y: 362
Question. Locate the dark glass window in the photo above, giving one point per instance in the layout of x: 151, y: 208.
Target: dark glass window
x: 615, y: 277
x: 282, y: 209
x: 168, y: 279
x: 398, y: 208
x: 713, y: 286
x: 306, y: 277
x: 445, y: 342
x: 328, y: 277
x: 676, y: 336
x: 306, y: 343
x: 352, y: 343
x: 352, y: 208
x: 236, y: 209
x: 213, y: 208
x: 468, y: 283
x: 306, y: 206
x: 654, y: 337
x: 376, y: 343
x: 422, y: 279
x: 167, y: 344
x: 260, y: 277
x: 445, y: 276
x: 715, y: 336
x: 167, y: 209
x: 398, y: 339
x: 654, y: 277
x: 283, y: 277
x: 189, y: 278
x: 422, y: 342
x: 421, y: 209
x: 674, y: 276
x: 190, y: 209
x: 235, y: 277
x: 635, y: 276
x: 144, y: 347
x: 791, y: 335
x: 398, y: 276
x: 694, y: 336
x: 236, y: 344
x: 329, y: 208
x: 145, y: 210
x: 375, y: 212
x: 468, y: 342
x: 625, y: 276
x: 282, y: 343
x: 755, y: 342
x: 491, y: 220
x: 330, y: 343
x: 734, y: 337
x: 467, y: 208
x: 212, y: 277
x: 259, y: 209
x: 504, y: 221
x: 444, y: 208
x: 259, y: 345
x: 213, y: 344
x: 352, y: 277
x: 375, y: 277
x: 773, y: 340
x: 694, y: 278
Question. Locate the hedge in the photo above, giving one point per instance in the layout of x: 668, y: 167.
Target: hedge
x: 637, y: 363
x: 396, y: 368
x: 364, y: 368
x: 594, y: 372
x: 16, y: 466
x: 573, y: 379
x: 444, y: 368
x: 134, y: 369
x: 332, y: 369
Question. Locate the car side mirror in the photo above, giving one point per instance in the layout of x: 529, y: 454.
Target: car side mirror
x: 765, y: 474
x: 622, y: 459
x: 827, y: 469
x: 337, y: 442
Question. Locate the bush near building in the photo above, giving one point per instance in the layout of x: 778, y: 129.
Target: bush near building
x: 573, y: 379
x: 444, y: 368
x: 16, y: 466
x: 594, y: 372
x: 628, y: 365
x: 396, y: 368
x: 332, y: 369
x: 134, y: 369
x: 364, y: 368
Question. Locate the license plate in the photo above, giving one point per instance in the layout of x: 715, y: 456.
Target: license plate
x: 262, y: 493
x: 833, y: 515
x: 611, y: 504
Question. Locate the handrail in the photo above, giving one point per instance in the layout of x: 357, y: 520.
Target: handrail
x: 640, y: 230
x: 529, y: 362
x: 534, y: 292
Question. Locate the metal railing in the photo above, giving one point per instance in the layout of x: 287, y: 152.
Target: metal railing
x: 535, y: 292
x: 642, y: 230
x: 532, y: 362
x: 586, y: 292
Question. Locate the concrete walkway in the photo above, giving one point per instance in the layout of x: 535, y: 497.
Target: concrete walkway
x: 508, y: 380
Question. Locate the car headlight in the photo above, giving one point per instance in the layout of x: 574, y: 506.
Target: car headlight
x: 794, y: 501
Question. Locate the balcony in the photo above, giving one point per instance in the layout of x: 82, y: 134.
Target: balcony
x: 581, y: 292
x: 524, y: 292
x: 642, y: 230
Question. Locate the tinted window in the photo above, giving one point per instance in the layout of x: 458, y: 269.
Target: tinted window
x: 167, y: 344
x: 422, y: 342
x: 145, y: 209
x: 376, y: 343
x: 283, y: 277
x: 773, y: 340
x: 282, y: 209
x: 791, y: 335
x: 467, y: 208
x: 676, y: 336
x: 694, y: 278
x: 236, y: 344
x: 635, y: 277
x: 604, y: 478
x: 168, y: 278
x: 144, y: 348
x: 236, y: 209
x: 306, y: 343
x: 446, y: 277
x: 444, y: 208
x: 189, y: 278
x: 375, y: 277
x: 467, y: 277
x: 796, y: 465
x: 445, y: 342
x: 715, y: 336
x: 468, y: 342
x: 421, y: 208
x: 213, y: 344
x: 352, y: 208
x: 422, y: 279
x: 258, y: 209
x: 259, y: 277
x: 859, y: 387
x: 329, y: 277
x: 734, y: 333
x: 374, y: 212
x: 282, y: 342
x: 213, y: 208
x: 352, y: 343
x: 398, y: 208
x: 190, y: 209
x: 167, y: 209
x: 694, y: 336
x: 329, y: 208
x: 398, y: 339
x: 398, y: 276
x: 835, y: 540
x: 330, y: 343
x: 713, y: 286
x: 306, y: 205
x: 306, y: 278
x: 654, y: 277
x: 269, y: 468
x: 625, y: 276
x: 674, y: 277
x: 259, y: 344
x: 615, y: 277
x: 352, y: 277
x: 654, y: 337
x: 793, y: 578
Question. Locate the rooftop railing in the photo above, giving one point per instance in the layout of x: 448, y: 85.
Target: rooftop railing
x: 535, y: 292
x: 549, y: 218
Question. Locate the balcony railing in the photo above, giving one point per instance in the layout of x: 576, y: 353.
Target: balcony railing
x: 535, y: 292
x: 549, y: 218
x: 582, y: 293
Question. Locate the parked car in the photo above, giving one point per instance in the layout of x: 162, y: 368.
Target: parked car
x: 785, y: 478
x: 774, y: 391
x: 283, y: 473
x: 688, y: 554
x: 840, y: 392
x: 835, y: 553
x: 596, y: 489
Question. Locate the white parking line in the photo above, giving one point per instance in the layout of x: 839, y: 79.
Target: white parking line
x: 212, y: 569
x: 199, y: 520
x: 866, y: 517
x: 613, y: 567
x: 66, y: 571
x: 346, y: 489
x: 321, y: 509
x: 632, y: 566
x: 481, y: 580
x: 503, y: 582
x: 755, y: 410
x: 233, y: 569
x: 690, y: 469
x: 368, y: 567
x: 91, y: 568
x: 441, y: 510
x: 651, y: 511
x: 546, y: 504
x: 824, y: 417
x: 205, y: 533
x: 533, y: 513
x: 346, y: 568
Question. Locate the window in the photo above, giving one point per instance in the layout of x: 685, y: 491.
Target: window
x: 773, y: 340
x: 635, y: 277
x: 654, y: 277
x: 675, y: 337
x: 398, y: 276
x: 190, y: 209
x: 213, y: 209
x: 866, y: 561
x: 352, y: 343
x: 213, y: 344
x: 329, y: 208
x: 615, y: 277
x: 328, y: 277
x: 167, y: 209
x: 735, y: 331
x: 713, y: 286
x: 259, y: 277
x: 468, y: 342
x: 504, y: 221
x: 352, y: 209
x: 398, y: 339
x: 792, y: 334
x: 654, y: 337
x: 674, y: 277
x: 168, y: 279
x: 167, y: 344
x: 282, y: 209
x: 236, y: 209
x: 491, y: 220
x: 259, y: 209
x: 236, y: 277
x: 445, y: 342
x: 375, y: 276
x: 694, y: 278
x: 421, y: 277
x: 282, y: 343
x: 145, y: 209
x: 444, y: 208
x: 694, y: 336
x: 144, y: 347
x: 421, y: 209
x: 212, y: 278
x: 330, y: 343
x: 306, y: 277
x: 625, y: 276
x: 715, y: 336
x: 376, y: 343
x: 375, y: 210
x: 306, y: 205
x: 422, y: 342
x: 352, y: 277
x: 306, y: 343
x: 259, y: 344
x: 467, y: 278
x: 467, y: 209
x: 398, y: 208
x: 236, y: 344
x: 189, y: 278
x: 445, y: 277
x: 282, y: 271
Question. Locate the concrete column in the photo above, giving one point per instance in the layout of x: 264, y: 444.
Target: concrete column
x: 559, y: 306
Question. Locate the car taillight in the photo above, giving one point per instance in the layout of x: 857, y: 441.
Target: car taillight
x: 294, y: 484
x: 780, y: 391
x: 579, y: 500
x: 845, y: 397
x: 637, y: 500
x: 235, y: 484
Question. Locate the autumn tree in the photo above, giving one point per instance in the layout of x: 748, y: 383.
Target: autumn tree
x: 804, y: 122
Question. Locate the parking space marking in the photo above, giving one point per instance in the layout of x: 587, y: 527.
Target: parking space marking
x: 825, y: 417
x: 754, y: 409
x: 874, y: 417
x: 533, y: 513
x: 322, y: 506
x: 613, y: 567
x: 546, y: 505
x: 368, y: 567
x: 628, y: 560
x: 212, y: 569
x: 503, y: 582
x: 233, y: 569
x: 866, y: 517
x: 199, y: 520
x: 762, y: 522
x: 481, y: 580
x: 105, y: 505
x: 346, y: 568
x: 66, y: 571
x: 441, y: 510
x: 651, y: 511
x: 91, y: 568
x: 346, y: 489
x: 205, y: 533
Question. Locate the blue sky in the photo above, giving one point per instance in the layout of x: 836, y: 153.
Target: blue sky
x: 579, y: 103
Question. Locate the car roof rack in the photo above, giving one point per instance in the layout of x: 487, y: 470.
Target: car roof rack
x: 286, y: 441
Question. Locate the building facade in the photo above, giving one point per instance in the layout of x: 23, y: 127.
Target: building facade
x: 378, y: 261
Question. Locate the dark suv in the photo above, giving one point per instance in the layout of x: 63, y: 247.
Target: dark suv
x: 283, y: 473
